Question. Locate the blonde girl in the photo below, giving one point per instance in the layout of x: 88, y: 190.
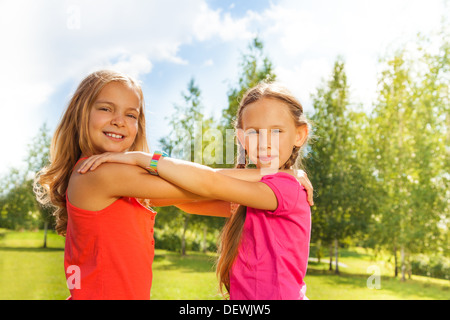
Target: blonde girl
x: 107, y: 224
x: 265, y: 244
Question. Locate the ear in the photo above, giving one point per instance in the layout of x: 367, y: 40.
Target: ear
x: 241, y: 137
x: 301, y: 135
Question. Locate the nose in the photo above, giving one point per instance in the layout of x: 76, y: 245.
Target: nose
x: 268, y: 140
x: 264, y: 140
x: 117, y: 120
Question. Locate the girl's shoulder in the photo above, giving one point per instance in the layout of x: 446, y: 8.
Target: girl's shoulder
x: 283, y: 185
x: 289, y: 192
x: 282, y: 179
x: 88, y: 191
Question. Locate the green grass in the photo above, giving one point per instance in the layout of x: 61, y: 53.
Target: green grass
x: 190, y: 277
x: 29, y: 272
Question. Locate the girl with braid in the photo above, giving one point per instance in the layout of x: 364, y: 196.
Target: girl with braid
x: 264, y: 245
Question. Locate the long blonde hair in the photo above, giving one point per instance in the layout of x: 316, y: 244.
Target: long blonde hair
x: 231, y: 233
x: 71, y: 140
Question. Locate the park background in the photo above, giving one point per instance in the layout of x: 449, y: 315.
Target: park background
x: 372, y: 76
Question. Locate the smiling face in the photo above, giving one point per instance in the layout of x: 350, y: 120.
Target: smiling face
x: 113, y: 119
x: 269, y: 133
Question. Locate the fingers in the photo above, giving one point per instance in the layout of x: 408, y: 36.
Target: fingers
x: 310, y: 198
x: 309, y: 191
x: 85, y: 166
x: 92, y: 163
x: 304, y: 181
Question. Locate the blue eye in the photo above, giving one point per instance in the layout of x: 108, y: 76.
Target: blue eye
x: 132, y: 116
x: 275, y: 131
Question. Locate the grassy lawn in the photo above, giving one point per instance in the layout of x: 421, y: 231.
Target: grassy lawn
x: 29, y: 272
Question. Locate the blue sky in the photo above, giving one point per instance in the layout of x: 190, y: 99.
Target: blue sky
x: 49, y: 46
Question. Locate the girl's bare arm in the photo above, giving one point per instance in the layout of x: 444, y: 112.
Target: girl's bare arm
x: 216, y: 208
x: 143, y: 159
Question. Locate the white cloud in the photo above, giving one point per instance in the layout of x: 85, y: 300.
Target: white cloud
x: 209, y: 23
x: 134, y: 65
x: 208, y: 63
x: 296, y: 29
x: 302, y: 79
x: 21, y: 87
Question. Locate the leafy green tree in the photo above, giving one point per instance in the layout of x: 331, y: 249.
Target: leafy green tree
x: 17, y: 201
x: 410, y: 123
x: 255, y: 66
x: 337, y: 161
x: 189, y: 128
x: 186, y: 141
x: 37, y: 158
x: 18, y: 206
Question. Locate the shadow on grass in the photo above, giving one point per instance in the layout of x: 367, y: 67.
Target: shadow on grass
x: 343, y: 253
x: 192, y: 262
x: 29, y: 249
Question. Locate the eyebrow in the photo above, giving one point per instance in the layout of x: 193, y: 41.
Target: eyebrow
x: 270, y: 128
x: 113, y: 104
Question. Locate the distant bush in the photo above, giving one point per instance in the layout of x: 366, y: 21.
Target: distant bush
x: 431, y: 266
x: 170, y: 239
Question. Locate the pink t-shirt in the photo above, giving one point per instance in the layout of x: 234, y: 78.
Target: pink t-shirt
x: 274, y: 249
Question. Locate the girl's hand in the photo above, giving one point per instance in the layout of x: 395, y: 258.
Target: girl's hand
x: 118, y: 157
x: 302, y: 178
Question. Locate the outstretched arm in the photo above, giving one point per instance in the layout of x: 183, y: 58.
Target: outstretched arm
x: 143, y: 159
x: 256, y: 175
x: 198, y: 179
x: 215, y: 208
x: 205, y: 182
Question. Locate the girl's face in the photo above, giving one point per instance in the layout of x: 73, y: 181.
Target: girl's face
x: 269, y: 133
x: 113, y: 120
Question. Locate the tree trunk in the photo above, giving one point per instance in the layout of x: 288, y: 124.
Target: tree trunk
x: 183, y: 237
x: 45, y: 233
x: 331, y: 256
x: 402, y: 254
x: 336, y: 255
x: 408, y: 262
x: 204, y: 244
x: 318, y: 250
x: 395, y: 262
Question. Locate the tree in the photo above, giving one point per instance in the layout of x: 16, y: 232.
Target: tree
x: 193, y: 142
x: 18, y: 206
x: 189, y: 127
x: 255, y: 66
x: 410, y: 123
x: 17, y: 203
x: 37, y: 158
x: 337, y: 162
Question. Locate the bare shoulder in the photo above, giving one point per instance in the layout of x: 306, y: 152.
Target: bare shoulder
x: 92, y: 190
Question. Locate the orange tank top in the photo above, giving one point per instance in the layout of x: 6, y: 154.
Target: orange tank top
x: 109, y: 253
